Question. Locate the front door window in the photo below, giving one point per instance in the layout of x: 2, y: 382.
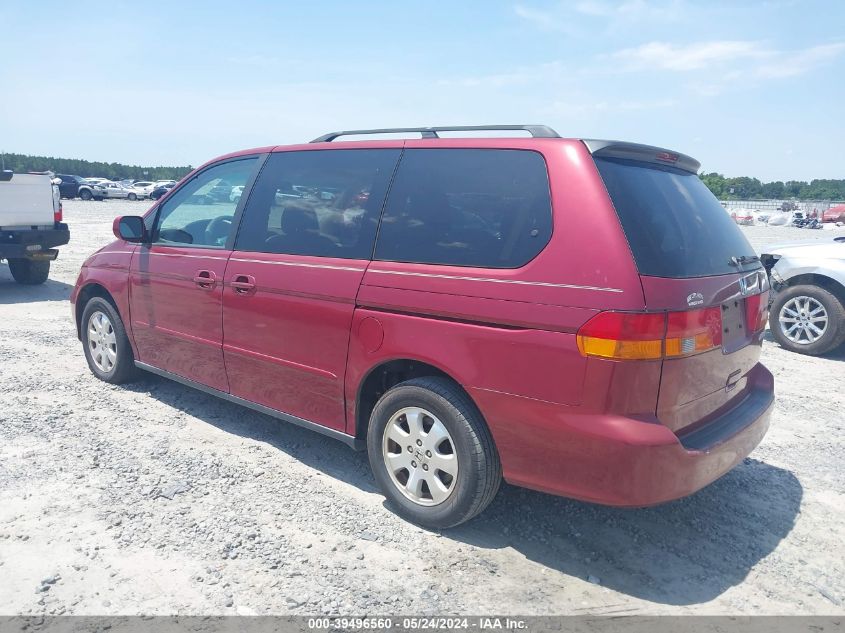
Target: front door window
x: 202, y: 211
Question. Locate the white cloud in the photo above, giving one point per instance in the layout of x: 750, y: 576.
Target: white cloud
x: 548, y: 72
x: 545, y: 20
x: 716, y: 66
x: 631, y: 9
x: 664, y: 56
x: 587, y: 106
x: 794, y: 63
x: 563, y: 16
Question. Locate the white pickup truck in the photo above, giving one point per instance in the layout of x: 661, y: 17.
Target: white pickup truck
x: 30, y: 225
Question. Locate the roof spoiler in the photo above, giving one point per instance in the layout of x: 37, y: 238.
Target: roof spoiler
x: 642, y: 153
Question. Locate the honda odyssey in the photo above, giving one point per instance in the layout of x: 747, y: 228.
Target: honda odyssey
x: 574, y: 316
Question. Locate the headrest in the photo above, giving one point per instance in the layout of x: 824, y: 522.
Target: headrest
x: 298, y: 220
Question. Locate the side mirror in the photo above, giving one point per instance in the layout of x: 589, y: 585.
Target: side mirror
x: 130, y: 228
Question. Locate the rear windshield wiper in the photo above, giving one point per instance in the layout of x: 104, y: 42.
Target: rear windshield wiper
x: 743, y: 259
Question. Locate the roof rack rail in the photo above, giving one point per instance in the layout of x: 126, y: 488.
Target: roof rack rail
x: 537, y: 131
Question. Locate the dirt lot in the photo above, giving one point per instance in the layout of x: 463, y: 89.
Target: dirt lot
x: 154, y: 498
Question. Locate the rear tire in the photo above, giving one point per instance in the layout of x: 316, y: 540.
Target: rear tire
x: 132, y: 197
x: 85, y: 194
x: 107, y: 348
x: 465, y: 448
x: 29, y: 272
x: 814, y: 306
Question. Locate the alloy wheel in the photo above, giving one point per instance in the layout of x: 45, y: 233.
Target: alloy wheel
x: 420, y: 456
x: 803, y: 320
x: 102, y: 342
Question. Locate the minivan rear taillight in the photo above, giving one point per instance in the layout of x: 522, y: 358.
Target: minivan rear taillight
x: 623, y: 335
x: 693, y: 331
x: 757, y: 311
x: 651, y: 335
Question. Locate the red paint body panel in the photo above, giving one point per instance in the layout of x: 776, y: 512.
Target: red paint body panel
x: 285, y: 343
x: 609, y: 459
x: 176, y: 323
x: 109, y: 268
x: 306, y: 336
x: 534, y: 363
x: 694, y: 388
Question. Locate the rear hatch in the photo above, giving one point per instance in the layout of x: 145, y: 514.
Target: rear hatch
x: 696, y: 266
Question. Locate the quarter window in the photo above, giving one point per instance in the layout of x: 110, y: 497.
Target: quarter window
x: 324, y: 203
x: 201, y: 212
x: 467, y: 207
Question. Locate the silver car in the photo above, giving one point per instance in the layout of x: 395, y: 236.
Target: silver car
x: 807, y: 313
x: 115, y: 190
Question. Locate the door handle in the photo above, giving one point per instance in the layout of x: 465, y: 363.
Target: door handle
x: 205, y: 279
x: 243, y: 284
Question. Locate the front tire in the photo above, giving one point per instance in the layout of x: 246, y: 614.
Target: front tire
x: 106, y: 345
x: 432, y: 454
x: 29, y: 272
x: 85, y: 194
x: 132, y: 197
x: 807, y: 319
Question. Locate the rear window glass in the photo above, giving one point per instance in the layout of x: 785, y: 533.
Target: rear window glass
x: 488, y: 208
x: 674, y: 224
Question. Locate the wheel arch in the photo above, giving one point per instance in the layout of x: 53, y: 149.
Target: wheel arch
x: 86, y: 293
x: 833, y: 286
x: 387, y: 374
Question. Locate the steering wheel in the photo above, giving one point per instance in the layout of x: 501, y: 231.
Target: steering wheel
x: 218, y: 230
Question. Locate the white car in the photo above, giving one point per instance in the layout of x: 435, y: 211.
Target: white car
x: 235, y: 194
x: 115, y: 190
x: 807, y: 313
x: 140, y: 190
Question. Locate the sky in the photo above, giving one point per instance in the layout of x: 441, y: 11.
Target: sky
x: 748, y: 88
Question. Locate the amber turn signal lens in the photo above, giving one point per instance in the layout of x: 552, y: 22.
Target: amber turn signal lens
x: 624, y: 350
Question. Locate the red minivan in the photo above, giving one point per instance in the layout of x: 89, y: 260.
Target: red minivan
x: 575, y: 316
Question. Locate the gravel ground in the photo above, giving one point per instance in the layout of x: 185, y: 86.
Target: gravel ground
x: 154, y: 498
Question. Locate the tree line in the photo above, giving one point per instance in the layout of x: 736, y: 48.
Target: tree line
x: 741, y: 188
x: 745, y: 188
x: 21, y: 164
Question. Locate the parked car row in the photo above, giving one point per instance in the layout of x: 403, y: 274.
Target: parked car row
x: 787, y: 215
x: 101, y: 188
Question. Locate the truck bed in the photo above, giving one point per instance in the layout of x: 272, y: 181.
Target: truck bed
x: 25, y: 201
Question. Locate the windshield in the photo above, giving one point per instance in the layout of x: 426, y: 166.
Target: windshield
x: 674, y: 224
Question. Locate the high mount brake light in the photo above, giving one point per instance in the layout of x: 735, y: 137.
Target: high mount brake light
x: 668, y: 157
x: 651, y: 335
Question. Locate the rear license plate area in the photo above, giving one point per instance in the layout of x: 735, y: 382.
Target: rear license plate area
x: 734, y: 335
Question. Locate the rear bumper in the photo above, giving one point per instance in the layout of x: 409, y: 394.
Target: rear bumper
x: 16, y: 244
x: 619, y: 461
